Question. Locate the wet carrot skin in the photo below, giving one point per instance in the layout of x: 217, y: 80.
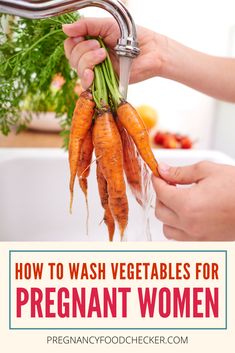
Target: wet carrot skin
x: 132, y: 164
x: 135, y: 127
x: 84, y: 162
x: 108, y: 149
x: 104, y: 198
x: 81, y: 123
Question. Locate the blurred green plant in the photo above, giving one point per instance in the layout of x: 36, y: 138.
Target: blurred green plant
x: 31, y: 54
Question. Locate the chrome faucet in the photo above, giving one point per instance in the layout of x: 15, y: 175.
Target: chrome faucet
x: 34, y: 9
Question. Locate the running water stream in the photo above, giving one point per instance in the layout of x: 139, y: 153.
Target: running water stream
x: 124, y: 77
x: 125, y: 69
x: 148, y: 198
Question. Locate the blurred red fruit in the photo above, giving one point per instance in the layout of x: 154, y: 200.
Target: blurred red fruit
x: 159, y: 138
x: 186, y: 143
x: 170, y: 142
x: 178, y: 137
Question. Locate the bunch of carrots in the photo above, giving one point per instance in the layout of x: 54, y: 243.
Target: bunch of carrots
x: 104, y: 122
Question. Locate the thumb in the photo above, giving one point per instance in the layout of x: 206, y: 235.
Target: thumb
x: 184, y: 175
x: 90, y: 26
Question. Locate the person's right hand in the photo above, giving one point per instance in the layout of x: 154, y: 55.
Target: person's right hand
x: 83, y: 54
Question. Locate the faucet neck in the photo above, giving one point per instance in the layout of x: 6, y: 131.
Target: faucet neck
x: 127, y: 44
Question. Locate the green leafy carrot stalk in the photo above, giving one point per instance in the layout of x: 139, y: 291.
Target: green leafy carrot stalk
x: 105, y: 87
x: 99, y: 88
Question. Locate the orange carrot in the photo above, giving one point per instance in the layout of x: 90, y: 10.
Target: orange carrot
x: 84, y: 162
x: 135, y: 127
x: 108, y: 148
x: 132, y: 164
x: 81, y: 123
x: 104, y: 198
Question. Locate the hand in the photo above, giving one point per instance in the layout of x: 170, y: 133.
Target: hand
x: 84, y: 55
x: 205, y: 211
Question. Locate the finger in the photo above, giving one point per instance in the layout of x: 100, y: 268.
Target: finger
x: 172, y: 233
x: 93, y: 27
x: 166, y: 215
x: 69, y: 44
x: 87, y: 78
x: 90, y: 59
x: 171, y: 196
x: 80, y: 49
x: 185, y: 175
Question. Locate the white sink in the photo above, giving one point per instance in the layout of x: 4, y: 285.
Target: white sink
x: 34, y: 197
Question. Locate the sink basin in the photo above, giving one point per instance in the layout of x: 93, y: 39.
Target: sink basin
x: 34, y: 198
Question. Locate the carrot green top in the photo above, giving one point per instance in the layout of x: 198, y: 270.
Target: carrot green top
x: 105, y: 86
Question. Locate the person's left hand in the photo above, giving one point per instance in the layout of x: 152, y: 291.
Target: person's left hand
x: 204, y: 211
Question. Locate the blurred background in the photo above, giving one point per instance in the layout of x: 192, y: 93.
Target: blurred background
x: 205, y: 25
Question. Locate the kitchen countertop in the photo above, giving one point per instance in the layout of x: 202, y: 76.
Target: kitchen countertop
x: 30, y: 138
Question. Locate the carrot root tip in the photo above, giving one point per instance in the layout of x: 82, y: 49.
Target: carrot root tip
x: 71, y: 203
x: 123, y: 237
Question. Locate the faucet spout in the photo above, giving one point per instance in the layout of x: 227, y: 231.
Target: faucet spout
x: 35, y: 9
